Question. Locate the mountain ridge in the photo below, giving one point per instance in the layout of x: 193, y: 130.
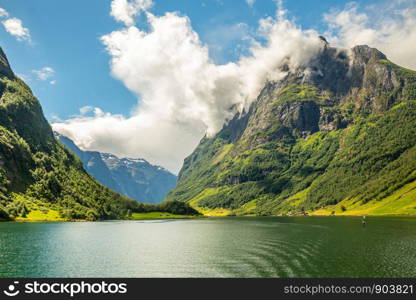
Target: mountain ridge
x: 296, y: 141
x: 132, y: 177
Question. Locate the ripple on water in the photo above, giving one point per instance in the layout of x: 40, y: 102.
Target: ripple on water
x: 232, y: 247
x: 276, y: 258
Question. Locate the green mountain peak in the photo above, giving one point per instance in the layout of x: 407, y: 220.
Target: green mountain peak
x: 337, y: 133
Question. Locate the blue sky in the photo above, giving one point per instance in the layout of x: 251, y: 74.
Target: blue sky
x: 66, y: 37
x: 167, y: 91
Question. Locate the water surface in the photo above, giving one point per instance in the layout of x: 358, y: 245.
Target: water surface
x: 218, y: 247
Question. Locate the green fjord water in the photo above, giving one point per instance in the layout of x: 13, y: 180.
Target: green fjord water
x: 218, y: 247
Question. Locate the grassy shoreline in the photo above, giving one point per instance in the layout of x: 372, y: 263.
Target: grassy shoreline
x: 330, y: 211
x: 161, y: 216
x: 38, y: 217
x: 151, y: 217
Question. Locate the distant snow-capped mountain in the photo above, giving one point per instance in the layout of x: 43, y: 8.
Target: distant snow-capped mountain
x: 133, y: 177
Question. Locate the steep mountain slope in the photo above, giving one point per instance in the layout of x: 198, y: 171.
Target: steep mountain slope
x: 336, y: 137
x: 38, y: 175
x: 134, y: 178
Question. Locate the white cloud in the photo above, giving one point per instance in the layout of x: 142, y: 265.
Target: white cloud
x: 391, y: 29
x: 183, y: 94
x: 3, y: 13
x: 15, y: 27
x: 85, y: 110
x: 250, y: 2
x: 55, y: 118
x: 125, y: 11
x: 45, y: 73
x: 52, y: 82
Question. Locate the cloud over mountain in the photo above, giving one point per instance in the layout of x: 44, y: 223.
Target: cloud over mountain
x: 182, y: 93
x: 391, y: 29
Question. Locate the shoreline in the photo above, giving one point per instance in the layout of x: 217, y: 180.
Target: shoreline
x: 184, y: 217
x: 134, y: 217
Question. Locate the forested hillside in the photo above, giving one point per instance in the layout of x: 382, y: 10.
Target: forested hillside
x: 336, y: 137
x: 39, y: 177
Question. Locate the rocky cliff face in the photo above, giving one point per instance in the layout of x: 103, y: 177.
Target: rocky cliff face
x: 134, y: 178
x: 36, y: 172
x: 300, y: 137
